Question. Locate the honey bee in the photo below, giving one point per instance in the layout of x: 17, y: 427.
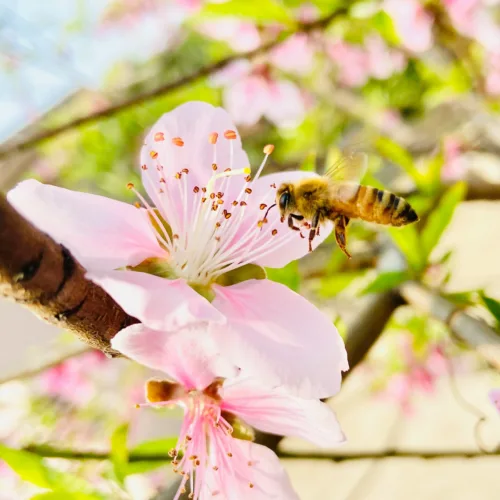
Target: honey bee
x: 337, y: 196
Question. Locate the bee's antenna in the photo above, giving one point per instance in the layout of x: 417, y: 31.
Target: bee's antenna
x: 267, y: 211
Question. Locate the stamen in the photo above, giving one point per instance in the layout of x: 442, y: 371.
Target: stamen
x: 177, y: 141
x: 159, y: 136
x: 268, y: 149
x: 230, y: 134
x: 196, y: 189
x: 153, y: 154
x: 214, y: 166
x: 144, y: 167
x: 262, y: 206
x: 212, y: 138
x: 274, y: 232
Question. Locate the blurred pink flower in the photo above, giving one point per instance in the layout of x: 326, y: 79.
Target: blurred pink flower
x: 207, y: 454
x: 412, y: 22
x: 242, y: 36
x: 455, y: 165
x: 295, y: 55
x: 251, y: 93
x: 70, y: 380
x: 307, y: 12
x: 351, y: 61
x: 473, y: 19
x: 214, y: 211
x: 357, y: 63
x: 419, y: 374
x: 383, y: 62
x: 494, y: 396
x: 493, y: 74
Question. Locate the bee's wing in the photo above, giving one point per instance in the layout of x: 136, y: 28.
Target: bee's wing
x: 350, y: 168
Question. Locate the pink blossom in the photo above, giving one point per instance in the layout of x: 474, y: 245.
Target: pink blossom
x: 418, y: 375
x: 352, y: 63
x: 295, y: 55
x: 242, y: 36
x: 455, y: 165
x: 214, y: 213
x: 473, y: 19
x: 69, y: 379
x: 494, y: 396
x: 382, y: 61
x: 253, y: 93
x: 211, y: 461
x: 412, y: 22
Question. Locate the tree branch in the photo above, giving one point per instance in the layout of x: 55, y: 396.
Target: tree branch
x: 44, y: 135
x: 42, y: 275
x: 52, y: 452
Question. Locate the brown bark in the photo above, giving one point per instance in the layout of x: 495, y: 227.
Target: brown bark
x: 43, y: 275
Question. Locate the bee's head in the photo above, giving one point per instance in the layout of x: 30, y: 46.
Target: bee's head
x: 285, y: 199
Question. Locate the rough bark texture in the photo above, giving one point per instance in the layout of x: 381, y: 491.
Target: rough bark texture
x: 41, y: 274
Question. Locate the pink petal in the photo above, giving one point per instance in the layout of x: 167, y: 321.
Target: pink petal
x: 266, y: 474
x: 295, y: 55
x: 277, y: 412
x: 189, y: 356
x: 263, y: 193
x: 279, y: 337
x: 494, y: 396
x: 287, y: 107
x: 247, y: 100
x: 159, y: 303
x: 193, y: 122
x: 102, y: 233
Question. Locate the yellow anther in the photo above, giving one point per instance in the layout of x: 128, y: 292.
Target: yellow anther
x: 268, y: 149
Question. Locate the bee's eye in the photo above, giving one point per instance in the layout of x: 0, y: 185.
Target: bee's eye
x: 284, y: 200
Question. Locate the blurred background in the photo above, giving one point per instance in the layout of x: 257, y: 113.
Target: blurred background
x: 416, y: 85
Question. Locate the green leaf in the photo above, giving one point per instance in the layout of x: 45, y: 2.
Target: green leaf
x: 407, y: 240
x: 32, y: 468
x: 147, y: 450
x: 64, y: 495
x: 441, y: 217
x: 256, y: 10
x: 333, y: 285
x: 398, y: 155
x: 119, y: 452
x: 29, y: 467
x: 309, y: 163
x: 492, y: 305
x: 288, y: 275
x: 386, y: 281
x: 155, y: 446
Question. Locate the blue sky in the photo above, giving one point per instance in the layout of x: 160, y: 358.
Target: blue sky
x: 53, y: 60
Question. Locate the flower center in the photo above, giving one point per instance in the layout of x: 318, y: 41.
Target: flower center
x: 205, y: 440
x: 206, y: 231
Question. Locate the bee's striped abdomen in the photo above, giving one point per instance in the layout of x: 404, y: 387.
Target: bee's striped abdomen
x: 383, y: 207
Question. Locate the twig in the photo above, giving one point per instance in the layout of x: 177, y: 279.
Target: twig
x: 52, y: 452
x: 168, y: 87
x: 36, y: 371
x: 37, y: 272
x: 474, y: 332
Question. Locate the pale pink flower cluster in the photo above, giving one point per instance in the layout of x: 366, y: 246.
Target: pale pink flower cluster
x: 253, y: 91
x: 70, y: 380
x: 187, y: 264
x: 475, y: 19
x: 419, y: 374
x: 356, y: 64
x: 412, y: 22
x: 455, y: 165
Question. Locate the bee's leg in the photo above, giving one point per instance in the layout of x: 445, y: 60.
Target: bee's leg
x: 291, y: 225
x: 314, y: 229
x: 340, y: 233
